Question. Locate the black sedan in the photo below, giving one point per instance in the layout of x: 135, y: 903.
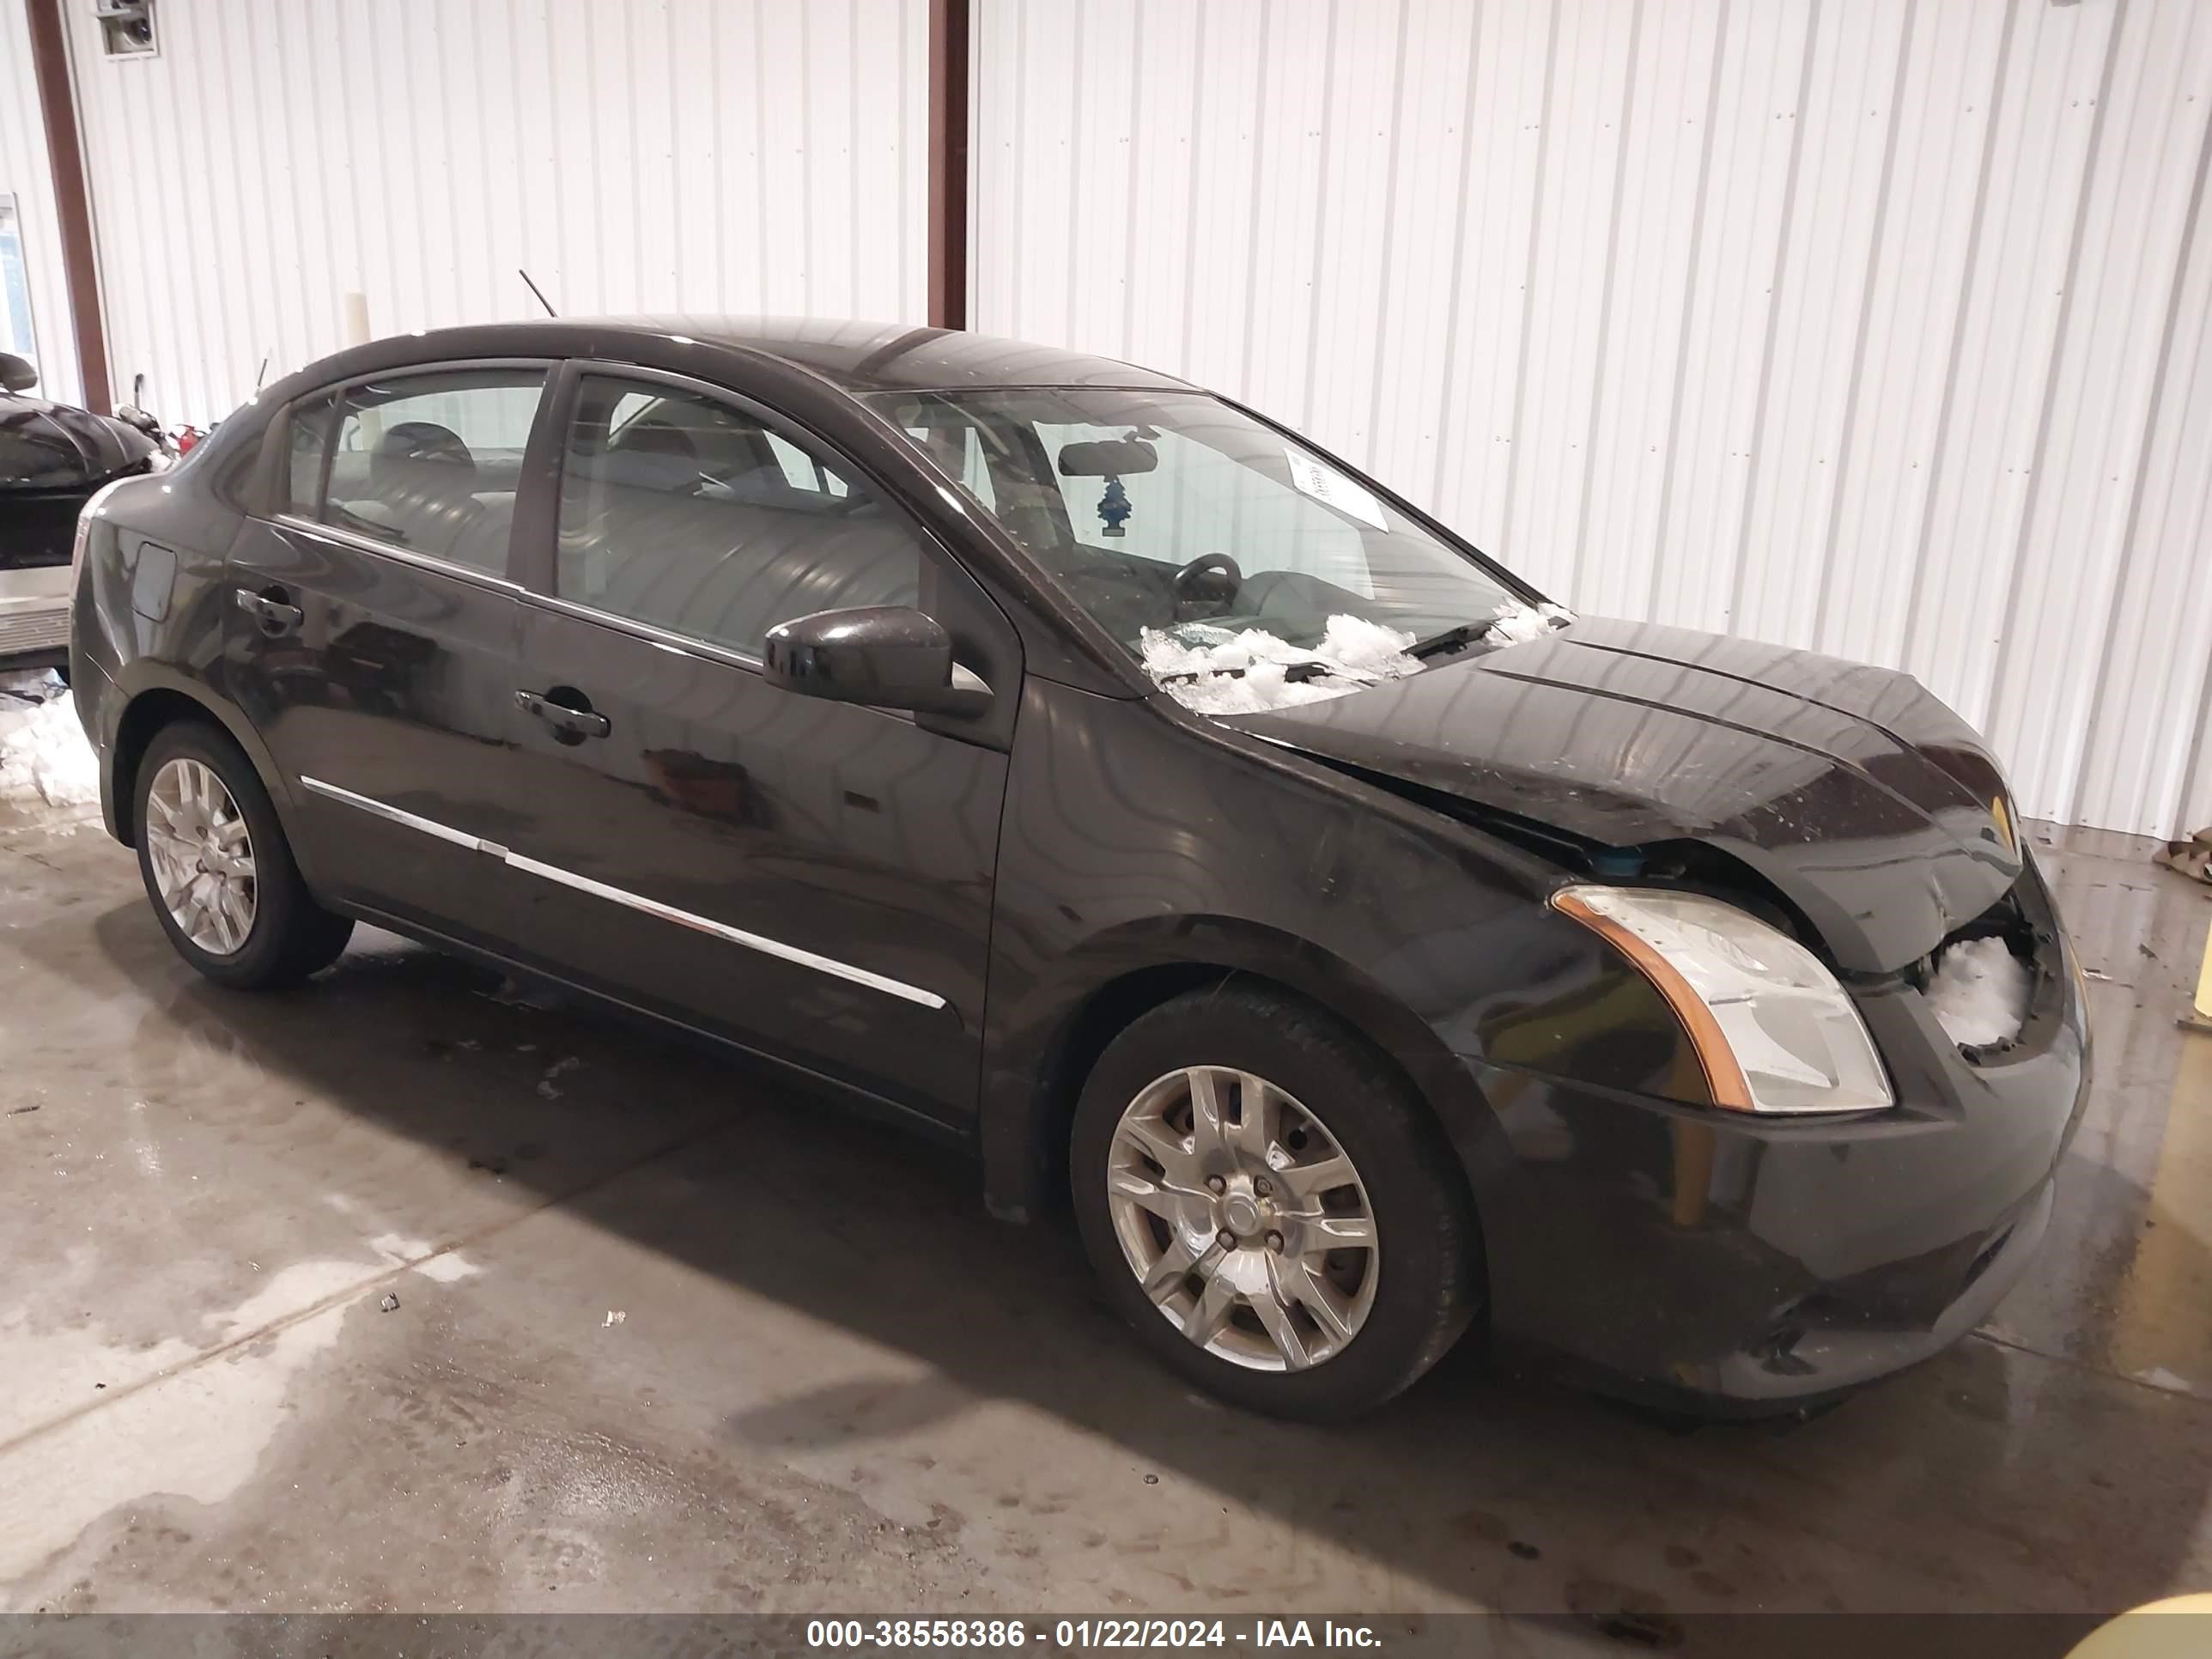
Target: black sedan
x: 52, y: 459
x: 1087, y: 770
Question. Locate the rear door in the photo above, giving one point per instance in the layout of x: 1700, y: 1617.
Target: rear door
x: 811, y: 879
x: 374, y: 632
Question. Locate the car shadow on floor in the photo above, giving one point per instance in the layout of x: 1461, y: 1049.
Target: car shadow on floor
x: 1988, y: 1479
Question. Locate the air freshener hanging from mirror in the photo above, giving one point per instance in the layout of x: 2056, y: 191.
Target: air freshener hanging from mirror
x: 1114, y: 507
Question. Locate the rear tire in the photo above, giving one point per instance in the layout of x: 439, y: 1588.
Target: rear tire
x: 217, y: 867
x: 1319, y: 1244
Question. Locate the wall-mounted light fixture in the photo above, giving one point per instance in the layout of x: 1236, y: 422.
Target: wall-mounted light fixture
x: 126, y: 28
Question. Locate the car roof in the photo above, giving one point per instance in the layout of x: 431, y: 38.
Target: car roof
x: 860, y: 356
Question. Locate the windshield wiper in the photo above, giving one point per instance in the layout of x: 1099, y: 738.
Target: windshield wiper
x: 1451, y: 639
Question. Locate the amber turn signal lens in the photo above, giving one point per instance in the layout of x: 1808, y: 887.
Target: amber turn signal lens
x: 1725, y: 1078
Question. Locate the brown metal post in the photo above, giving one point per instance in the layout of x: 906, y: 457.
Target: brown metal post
x: 72, y: 204
x: 948, y: 163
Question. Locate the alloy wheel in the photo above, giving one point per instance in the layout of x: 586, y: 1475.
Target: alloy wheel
x: 1242, y: 1218
x: 203, y: 856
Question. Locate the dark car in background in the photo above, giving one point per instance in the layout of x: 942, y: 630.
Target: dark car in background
x: 1089, y: 772
x: 52, y: 459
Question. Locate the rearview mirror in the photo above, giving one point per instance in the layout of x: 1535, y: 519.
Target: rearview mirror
x: 883, y: 656
x: 16, y: 373
x: 1107, y: 458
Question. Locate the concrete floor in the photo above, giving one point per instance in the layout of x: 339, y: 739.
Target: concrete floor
x: 671, y: 1334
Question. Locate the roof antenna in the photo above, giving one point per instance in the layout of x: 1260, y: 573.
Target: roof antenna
x: 534, y: 288
x: 262, y: 374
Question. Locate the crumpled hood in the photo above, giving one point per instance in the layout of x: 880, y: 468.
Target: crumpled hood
x: 1851, y: 789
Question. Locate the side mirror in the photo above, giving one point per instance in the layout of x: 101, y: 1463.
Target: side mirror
x: 16, y: 373
x: 884, y: 656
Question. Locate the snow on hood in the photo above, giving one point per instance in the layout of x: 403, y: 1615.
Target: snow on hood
x: 1980, y: 992
x: 1212, y: 670
x: 44, y: 757
x: 1516, y: 624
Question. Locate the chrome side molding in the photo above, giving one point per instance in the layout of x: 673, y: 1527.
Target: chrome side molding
x: 406, y: 820
x: 766, y: 946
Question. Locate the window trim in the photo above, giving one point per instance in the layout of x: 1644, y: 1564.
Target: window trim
x: 535, y: 580
x: 651, y: 633
x: 407, y: 556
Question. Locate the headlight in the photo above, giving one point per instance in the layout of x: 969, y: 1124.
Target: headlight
x: 1774, y: 1031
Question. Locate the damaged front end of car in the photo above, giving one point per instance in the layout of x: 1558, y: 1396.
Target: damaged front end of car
x: 1758, y: 1140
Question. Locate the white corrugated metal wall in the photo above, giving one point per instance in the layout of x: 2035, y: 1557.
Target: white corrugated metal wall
x: 1874, y: 325
x: 27, y: 173
x: 657, y: 156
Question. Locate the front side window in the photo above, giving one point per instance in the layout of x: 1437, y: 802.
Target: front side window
x: 683, y: 512
x: 425, y: 462
x: 1171, y: 512
x: 960, y: 451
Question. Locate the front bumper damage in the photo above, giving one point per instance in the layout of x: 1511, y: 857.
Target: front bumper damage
x: 1733, y: 1265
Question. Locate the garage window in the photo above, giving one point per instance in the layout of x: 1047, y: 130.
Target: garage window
x: 428, y: 462
x: 683, y: 512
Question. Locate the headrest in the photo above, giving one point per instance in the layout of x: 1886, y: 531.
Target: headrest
x: 426, y: 441
x: 654, y: 438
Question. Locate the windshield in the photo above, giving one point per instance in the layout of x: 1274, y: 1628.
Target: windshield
x: 1203, y: 540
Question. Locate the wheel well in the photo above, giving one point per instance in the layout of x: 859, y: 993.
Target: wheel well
x: 1101, y: 1017
x: 1113, y: 1006
x: 147, y: 713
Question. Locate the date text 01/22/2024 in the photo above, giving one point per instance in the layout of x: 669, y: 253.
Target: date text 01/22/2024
x: 858, y: 1634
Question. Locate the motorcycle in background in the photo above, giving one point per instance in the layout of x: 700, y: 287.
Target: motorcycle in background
x: 169, y: 448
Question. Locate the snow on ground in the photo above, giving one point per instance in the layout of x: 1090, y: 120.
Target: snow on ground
x: 44, y: 758
x: 1221, y: 670
x: 1980, y: 992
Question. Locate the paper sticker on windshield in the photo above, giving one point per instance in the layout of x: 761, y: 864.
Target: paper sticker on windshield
x: 1333, y: 488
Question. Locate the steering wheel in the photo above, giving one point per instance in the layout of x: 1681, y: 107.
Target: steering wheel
x: 1209, y: 581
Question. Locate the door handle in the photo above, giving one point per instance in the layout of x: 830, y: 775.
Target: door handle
x: 270, y: 609
x: 570, y: 725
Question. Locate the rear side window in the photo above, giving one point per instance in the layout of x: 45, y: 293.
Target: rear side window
x: 684, y: 512
x: 426, y: 462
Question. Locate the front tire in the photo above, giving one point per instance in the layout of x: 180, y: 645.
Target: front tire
x: 1274, y: 1212
x: 218, y: 869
